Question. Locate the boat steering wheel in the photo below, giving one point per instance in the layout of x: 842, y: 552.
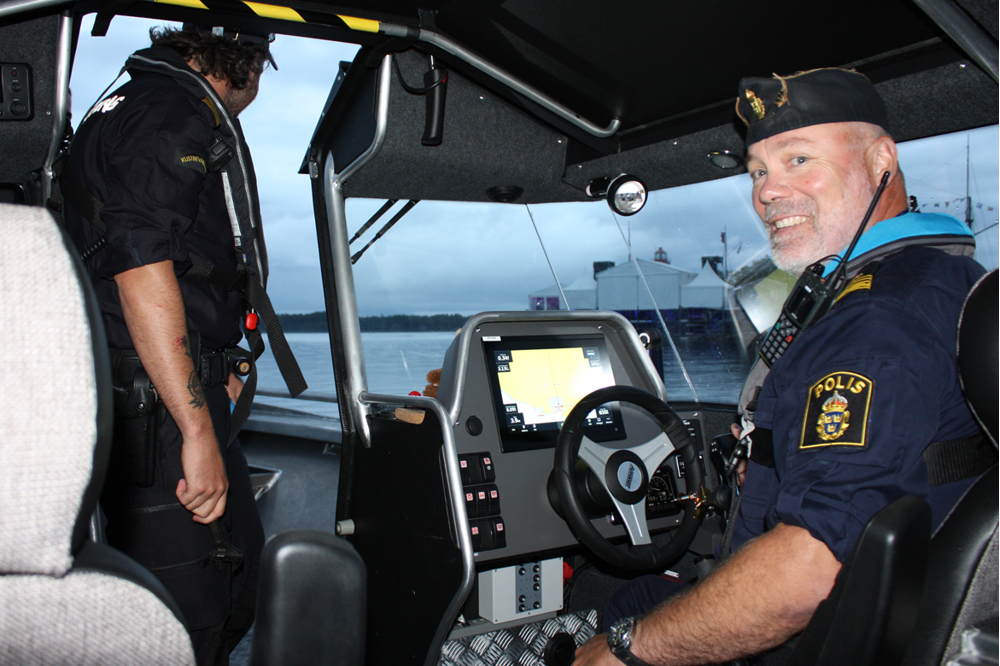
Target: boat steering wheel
x: 625, y: 474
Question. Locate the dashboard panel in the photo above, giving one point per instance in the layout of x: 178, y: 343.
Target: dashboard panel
x: 508, y: 381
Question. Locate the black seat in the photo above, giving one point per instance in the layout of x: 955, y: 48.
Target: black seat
x: 903, y: 597
x: 311, y: 609
x: 869, y: 615
x: 961, y: 588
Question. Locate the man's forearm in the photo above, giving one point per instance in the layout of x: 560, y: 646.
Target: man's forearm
x: 154, y: 312
x: 761, y: 597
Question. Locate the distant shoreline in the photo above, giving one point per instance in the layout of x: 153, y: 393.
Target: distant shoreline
x: 315, y: 322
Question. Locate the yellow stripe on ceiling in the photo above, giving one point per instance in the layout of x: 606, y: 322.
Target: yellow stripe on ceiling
x: 274, y: 11
x: 354, y: 23
x: 196, y: 4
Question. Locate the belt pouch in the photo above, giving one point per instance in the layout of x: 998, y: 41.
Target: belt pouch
x: 133, y: 453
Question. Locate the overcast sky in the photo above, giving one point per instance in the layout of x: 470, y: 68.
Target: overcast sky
x: 468, y: 258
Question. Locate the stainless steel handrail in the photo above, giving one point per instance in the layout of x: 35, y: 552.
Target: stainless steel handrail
x: 313, y: 396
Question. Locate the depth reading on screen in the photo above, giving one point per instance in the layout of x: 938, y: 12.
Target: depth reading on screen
x: 536, y: 382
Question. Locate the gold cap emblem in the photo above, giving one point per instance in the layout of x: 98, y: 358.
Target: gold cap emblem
x: 755, y: 103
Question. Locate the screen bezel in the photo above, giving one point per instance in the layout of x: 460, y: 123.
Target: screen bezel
x: 512, y: 440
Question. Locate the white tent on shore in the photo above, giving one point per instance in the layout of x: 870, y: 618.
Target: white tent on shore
x: 707, y: 290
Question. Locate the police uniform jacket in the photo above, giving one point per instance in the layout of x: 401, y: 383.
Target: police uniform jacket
x: 857, y: 398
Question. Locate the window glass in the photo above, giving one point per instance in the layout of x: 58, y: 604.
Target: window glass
x: 693, y: 263
x: 704, y: 269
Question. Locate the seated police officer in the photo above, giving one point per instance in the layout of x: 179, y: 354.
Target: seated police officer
x: 841, y: 421
x: 153, y: 189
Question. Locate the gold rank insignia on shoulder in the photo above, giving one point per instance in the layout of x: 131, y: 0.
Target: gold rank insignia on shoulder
x: 829, y: 420
x: 756, y: 103
x: 863, y: 281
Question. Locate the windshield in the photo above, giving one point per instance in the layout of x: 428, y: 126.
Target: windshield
x: 693, y: 263
x: 693, y: 267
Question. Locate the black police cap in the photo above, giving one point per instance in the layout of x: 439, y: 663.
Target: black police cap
x: 831, y: 95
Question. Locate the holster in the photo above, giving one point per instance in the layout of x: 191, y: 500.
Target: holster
x: 137, y: 419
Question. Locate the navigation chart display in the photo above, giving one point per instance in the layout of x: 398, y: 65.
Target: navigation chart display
x: 537, y: 381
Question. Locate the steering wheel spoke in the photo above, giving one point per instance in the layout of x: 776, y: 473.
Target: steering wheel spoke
x: 654, y: 452
x: 634, y: 518
x: 596, y: 457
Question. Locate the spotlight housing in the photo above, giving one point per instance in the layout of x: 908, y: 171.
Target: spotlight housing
x: 626, y: 195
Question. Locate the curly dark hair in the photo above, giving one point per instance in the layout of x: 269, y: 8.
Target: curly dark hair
x: 215, y: 55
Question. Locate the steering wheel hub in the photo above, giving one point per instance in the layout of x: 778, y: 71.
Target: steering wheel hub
x: 626, y: 477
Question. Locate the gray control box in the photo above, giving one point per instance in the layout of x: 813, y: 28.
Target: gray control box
x: 521, y: 591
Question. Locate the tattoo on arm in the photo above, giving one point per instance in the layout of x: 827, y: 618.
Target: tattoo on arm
x: 195, y: 390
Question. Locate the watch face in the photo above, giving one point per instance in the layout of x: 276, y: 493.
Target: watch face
x: 619, y: 634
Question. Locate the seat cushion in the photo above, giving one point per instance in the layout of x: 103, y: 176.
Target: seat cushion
x: 87, y: 618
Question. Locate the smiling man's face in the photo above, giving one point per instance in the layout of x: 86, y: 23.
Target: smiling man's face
x: 811, y: 188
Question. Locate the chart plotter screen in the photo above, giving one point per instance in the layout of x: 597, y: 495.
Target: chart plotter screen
x: 536, y: 382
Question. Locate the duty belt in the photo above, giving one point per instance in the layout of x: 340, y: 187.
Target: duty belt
x: 213, y: 370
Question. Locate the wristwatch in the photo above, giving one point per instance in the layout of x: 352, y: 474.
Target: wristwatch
x: 620, y: 642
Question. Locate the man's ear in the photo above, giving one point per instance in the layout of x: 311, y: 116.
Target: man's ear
x: 882, y: 156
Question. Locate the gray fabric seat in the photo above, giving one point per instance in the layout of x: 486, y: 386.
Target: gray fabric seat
x: 63, y: 599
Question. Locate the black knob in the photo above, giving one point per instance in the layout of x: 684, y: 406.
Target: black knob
x: 559, y: 651
x: 474, y: 426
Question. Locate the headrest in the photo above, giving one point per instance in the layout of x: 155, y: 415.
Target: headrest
x: 978, y: 330
x: 48, y: 400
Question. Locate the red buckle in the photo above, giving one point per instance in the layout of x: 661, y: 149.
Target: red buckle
x: 251, y: 322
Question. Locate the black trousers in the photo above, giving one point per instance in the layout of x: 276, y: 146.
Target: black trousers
x: 151, y: 526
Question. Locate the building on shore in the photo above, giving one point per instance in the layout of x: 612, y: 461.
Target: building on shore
x: 690, y: 303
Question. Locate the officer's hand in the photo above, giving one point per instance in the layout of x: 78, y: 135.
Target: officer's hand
x: 596, y: 652
x: 203, y: 489
x: 234, y: 386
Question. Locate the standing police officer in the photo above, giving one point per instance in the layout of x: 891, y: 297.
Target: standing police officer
x: 160, y: 187
x: 843, y: 421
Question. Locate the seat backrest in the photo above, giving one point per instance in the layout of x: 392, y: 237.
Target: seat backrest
x: 869, y: 615
x: 63, y: 599
x: 978, y: 351
x: 311, y: 608
x: 962, y: 580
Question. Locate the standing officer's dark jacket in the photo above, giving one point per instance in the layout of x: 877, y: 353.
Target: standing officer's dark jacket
x: 142, y: 152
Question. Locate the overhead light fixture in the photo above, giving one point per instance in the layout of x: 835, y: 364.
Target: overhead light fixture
x: 626, y: 194
x: 504, y: 193
x: 725, y: 159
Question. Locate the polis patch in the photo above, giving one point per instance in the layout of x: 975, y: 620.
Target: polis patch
x: 190, y: 160
x: 837, y: 411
